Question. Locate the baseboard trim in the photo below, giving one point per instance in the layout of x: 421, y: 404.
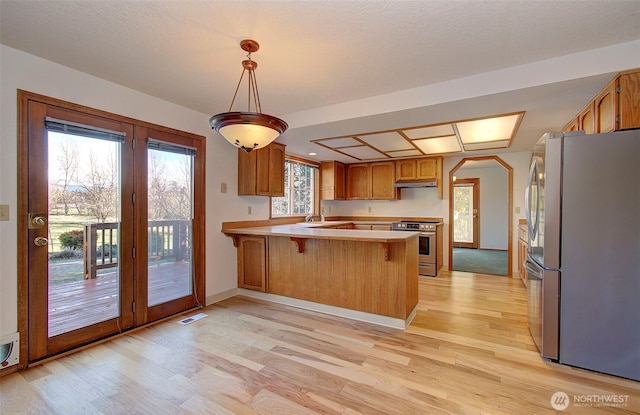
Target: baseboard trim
x: 395, y: 323
x: 212, y: 299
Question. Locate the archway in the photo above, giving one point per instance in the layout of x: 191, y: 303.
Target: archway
x: 509, y: 170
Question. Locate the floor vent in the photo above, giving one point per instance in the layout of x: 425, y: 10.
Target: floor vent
x: 191, y: 319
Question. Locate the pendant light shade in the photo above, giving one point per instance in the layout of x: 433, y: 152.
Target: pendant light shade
x: 248, y: 130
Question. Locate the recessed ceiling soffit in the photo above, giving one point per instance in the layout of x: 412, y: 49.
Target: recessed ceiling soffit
x: 493, y: 132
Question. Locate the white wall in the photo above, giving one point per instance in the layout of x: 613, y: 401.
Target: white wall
x: 19, y: 70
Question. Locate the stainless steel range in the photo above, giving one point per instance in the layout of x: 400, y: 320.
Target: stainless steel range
x: 426, y: 244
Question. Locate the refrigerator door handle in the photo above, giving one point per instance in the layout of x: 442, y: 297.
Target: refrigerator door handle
x: 532, y: 271
x: 532, y: 226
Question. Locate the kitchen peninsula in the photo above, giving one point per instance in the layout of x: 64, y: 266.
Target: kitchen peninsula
x: 367, y: 271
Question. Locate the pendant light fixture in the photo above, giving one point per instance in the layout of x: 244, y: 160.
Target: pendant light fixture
x: 248, y: 130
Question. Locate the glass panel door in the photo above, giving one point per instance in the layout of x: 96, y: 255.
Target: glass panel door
x: 465, y: 212
x: 84, y: 231
x: 170, y: 213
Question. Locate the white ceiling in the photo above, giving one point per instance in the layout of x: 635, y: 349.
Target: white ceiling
x: 334, y: 68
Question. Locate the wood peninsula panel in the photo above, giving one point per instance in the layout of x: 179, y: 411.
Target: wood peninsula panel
x: 347, y: 273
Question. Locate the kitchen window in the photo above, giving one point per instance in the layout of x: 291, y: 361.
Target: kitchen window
x: 300, y: 189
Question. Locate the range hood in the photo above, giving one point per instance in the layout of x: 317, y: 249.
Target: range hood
x: 424, y: 183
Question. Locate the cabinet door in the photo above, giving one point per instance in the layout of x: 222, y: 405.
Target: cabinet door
x: 263, y: 187
x: 606, y: 104
x: 383, y: 181
x: 572, y: 126
x: 332, y: 184
x: 247, y: 173
x: 269, y: 170
x: 358, y: 181
x: 276, y: 169
x: 406, y: 170
x: 629, y: 101
x: 427, y: 169
x: 587, y: 119
x: 252, y: 263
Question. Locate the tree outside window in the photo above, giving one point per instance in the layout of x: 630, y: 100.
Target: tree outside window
x: 299, y: 190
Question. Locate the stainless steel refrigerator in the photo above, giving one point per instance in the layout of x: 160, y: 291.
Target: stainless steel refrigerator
x: 583, y: 213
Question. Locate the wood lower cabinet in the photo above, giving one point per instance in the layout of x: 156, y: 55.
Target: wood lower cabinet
x: 523, y: 248
x: 252, y: 262
x: 261, y: 172
x: 332, y: 180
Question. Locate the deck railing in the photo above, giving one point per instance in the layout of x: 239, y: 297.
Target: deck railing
x: 168, y: 239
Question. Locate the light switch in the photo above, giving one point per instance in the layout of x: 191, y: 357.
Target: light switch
x: 223, y: 188
x: 517, y: 210
x: 4, y: 212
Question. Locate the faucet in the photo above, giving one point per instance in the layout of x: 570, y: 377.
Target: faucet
x: 321, y: 216
x: 309, y: 218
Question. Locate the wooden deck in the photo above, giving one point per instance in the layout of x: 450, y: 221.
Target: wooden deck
x: 81, y: 303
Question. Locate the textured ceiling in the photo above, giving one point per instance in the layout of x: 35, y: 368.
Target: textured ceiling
x: 333, y: 68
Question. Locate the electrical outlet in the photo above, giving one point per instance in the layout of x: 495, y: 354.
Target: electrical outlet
x: 4, y: 212
x: 329, y: 209
x: 369, y: 209
x: 223, y: 188
x: 249, y: 210
x: 517, y: 210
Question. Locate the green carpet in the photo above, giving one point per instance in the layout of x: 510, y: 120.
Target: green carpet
x: 480, y: 260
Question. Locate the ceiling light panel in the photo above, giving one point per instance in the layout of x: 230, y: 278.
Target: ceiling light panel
x: 362, y: 153
x: 339, y: 142
x: 391, y: 141
x: 488, y: 129
x: 426, y: 132
x: 439, y: 145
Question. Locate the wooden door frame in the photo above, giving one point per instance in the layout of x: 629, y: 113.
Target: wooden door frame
x: 509, y: 170
x: 23, y: 99
x: 475, y: 182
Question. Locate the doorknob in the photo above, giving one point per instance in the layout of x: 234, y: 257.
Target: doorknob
x: 40, y: 241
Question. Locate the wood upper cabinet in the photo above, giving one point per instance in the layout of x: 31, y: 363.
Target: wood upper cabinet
x: 332, y: 180
x: 252, y: 262
x: 358, y: 181
x: 261, y: 172
x: 406, y: 170
x: 587, y: 119
x: 574, y: 125
x: 606, y: 106
x: 418, y: 169
x: 383, y: 181
x: 367, y: 181
x: 629, y: 100
x: 616, y: 107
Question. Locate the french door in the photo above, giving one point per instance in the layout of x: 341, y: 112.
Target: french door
x: 113, y: 214
x: 466, y: 197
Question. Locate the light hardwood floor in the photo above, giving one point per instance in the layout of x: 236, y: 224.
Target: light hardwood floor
x: 468, y: 351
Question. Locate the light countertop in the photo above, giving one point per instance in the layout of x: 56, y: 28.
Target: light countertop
x: 314, y: 230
